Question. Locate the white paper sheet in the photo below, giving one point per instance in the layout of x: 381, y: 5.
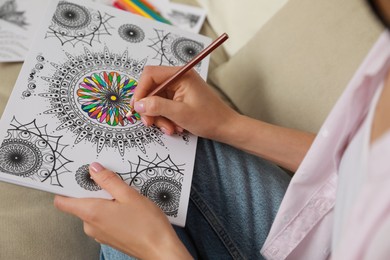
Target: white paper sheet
x: 69, y: 104
x: 186, y: 17
x: 19, y: 20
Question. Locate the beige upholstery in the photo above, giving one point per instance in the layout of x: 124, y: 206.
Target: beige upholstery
x: 290, y: 73
x: 240, y: 19
x: 294, y: 69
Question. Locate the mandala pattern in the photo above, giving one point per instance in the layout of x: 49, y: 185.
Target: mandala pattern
x: 185, y: 49
x: 72, y: 23
x: 31, y: 85
x: 159, y: 180
x: 174, y: 50
x: 9, y: 13
x: 184, y: 18
x: 131, y: 33
x: 90, y: 96
x: 28, y: 151
x: 83, y: 178
x: 106, y: 97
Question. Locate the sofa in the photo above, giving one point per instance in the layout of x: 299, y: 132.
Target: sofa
x: 286, y: 63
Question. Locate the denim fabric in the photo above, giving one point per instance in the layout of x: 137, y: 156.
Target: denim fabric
x: 233, y: 202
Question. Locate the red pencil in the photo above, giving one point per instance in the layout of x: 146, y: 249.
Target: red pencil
x: 192, y: 63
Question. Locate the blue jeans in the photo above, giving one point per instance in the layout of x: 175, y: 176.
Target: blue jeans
x: 234, y: 199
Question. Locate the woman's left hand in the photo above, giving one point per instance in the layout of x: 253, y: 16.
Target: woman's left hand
x: 130, y: 222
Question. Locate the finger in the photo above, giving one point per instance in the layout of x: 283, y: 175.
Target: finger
x: 112, y: 183
x: 152, y: 76
x: 179, y: 129
x: 165, y: 125
x: 78, y: 207
x: 89, y: 230
x: 158, y: 106
x: 147, y: 120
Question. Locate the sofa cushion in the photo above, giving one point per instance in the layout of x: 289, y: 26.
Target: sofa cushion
x: 30, y: 226
x: 240, y: 19
x: 294, y: 68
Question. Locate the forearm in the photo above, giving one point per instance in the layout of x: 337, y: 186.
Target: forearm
x: 168, y: 246
x: 283, y: 146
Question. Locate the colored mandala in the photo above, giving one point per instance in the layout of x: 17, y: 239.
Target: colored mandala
x: 90, y: 95
x: 73, y: 23
x: 159, y: 180
x: 106, y: 97
x: 28, y: 151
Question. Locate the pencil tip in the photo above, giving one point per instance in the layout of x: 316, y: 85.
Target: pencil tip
x: 129, y: 114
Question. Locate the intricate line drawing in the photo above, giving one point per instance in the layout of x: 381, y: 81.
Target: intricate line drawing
x: 31, y: 85
x: 90, y: 96
x: 28, y: 151
x: 9, y: 13
x: 174, y: 50
x: 160, y: 180
x: 184, y: 18
x: 73, y: 23
x: 83, y: 178
x: 131, y: 33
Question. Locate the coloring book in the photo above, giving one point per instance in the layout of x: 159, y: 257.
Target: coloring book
x: 69, y: 103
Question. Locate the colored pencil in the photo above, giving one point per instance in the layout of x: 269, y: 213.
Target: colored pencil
x: 140, y: 8
x: 192, y: 63
x: 148, y: 4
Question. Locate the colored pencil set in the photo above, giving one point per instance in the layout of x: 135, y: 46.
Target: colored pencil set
x: 141, y: 7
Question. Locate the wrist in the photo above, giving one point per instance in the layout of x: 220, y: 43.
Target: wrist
x: 230, y: 130
x: 170, y: 249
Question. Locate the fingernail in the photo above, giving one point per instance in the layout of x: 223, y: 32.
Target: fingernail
x: 144, y: 121
x: 139, y: 106
x: 96, y: 167
x: 179, y: 129
x: 165, y: 131
x: 132, y: 101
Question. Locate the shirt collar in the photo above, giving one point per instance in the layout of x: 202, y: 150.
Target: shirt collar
x: 380, y: 55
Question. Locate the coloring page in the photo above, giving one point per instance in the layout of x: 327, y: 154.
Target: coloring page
x: 186, y: 17
x: 19, y: 20
x: 69, y: 103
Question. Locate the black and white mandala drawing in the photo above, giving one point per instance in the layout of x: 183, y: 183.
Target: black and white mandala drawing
x: 174, y: 50
x: 84, y: 180
x: 73, y: 24
x: 131, y: 33
x: 31, y: 85
x: 90, y: 95
x: 9, y: 13
x: 160, y: 180
x: 184, y: 18
x: 29, y: 152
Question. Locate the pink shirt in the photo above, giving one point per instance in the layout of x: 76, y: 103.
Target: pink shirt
x: 303, y: 226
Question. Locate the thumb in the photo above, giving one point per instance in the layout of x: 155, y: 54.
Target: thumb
x: 110, y: 181
x: 159, y: 106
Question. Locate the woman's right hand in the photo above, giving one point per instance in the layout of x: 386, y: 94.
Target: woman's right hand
x: 188, y: 104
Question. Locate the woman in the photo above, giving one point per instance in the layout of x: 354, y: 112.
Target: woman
x: 337, y: 204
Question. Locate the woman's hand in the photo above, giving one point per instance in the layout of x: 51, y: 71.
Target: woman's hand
x: 188, y: 104
x: 130, y: 223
